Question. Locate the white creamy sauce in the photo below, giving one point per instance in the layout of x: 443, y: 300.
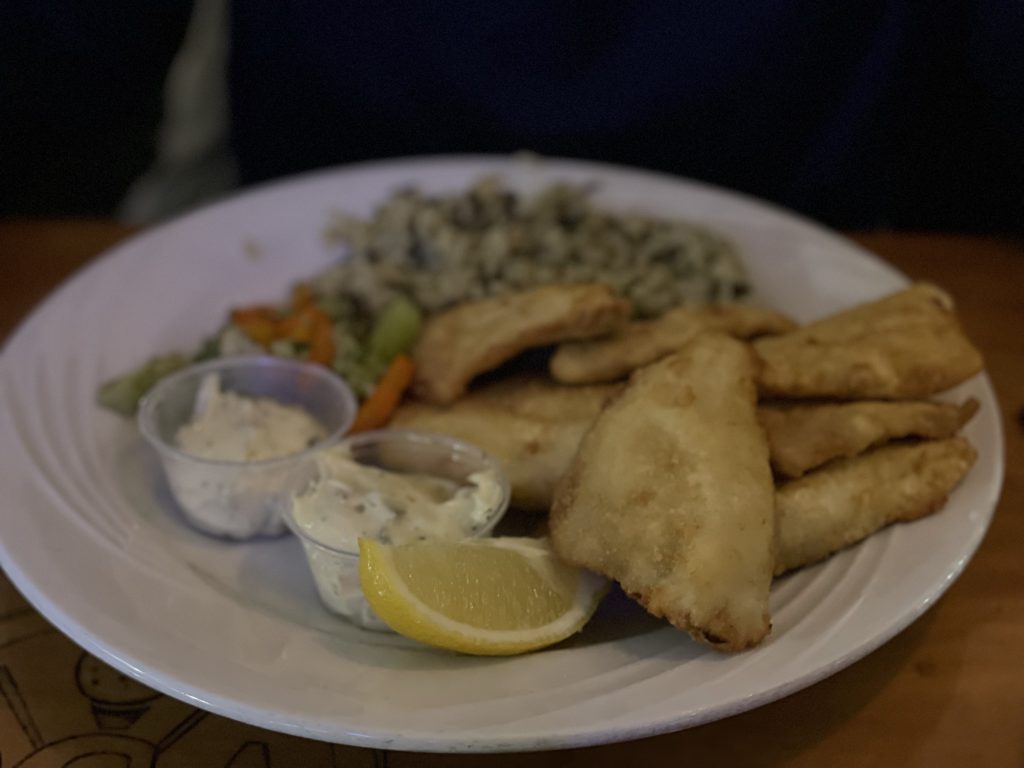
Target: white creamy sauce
x: 226, y: 426
x: 353, y: 500
x: 237, y: 500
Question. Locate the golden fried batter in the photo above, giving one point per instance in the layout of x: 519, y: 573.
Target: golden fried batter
x: 532, y: 426
x: 643, y: 341
x: 671, y: 495
x: 850, y: 499
x: 802, y: 437
x: 906, y: 346
x: 478, y: 336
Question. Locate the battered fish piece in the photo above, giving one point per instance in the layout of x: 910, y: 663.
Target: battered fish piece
x: 671, y: 495
x: 802, y: 437
x: 642, y: 342
x: 849, y: 500
x: 478, y: 336
x: 906, y: 346
x: 532, y: 426
x: 539, y: 398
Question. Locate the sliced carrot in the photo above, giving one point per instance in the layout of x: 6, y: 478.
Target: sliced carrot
x: 259, y: 323
x: 321, y: 340
x: 306, y: 323
x: 299, y: 325
x: 256, y: 311
x: 376, y: 410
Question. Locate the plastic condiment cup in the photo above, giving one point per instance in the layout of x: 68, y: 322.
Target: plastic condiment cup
x: 243, y: 499
x: 336, y: 570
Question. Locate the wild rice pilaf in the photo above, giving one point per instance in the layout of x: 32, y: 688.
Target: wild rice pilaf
x: 440, y: 250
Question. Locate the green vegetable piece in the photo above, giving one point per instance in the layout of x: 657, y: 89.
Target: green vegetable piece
x: 338, y: 308
x: 208, y: 350
x: 395, y: 331
x: 285, y: 348
x: 356, y: 375
x: 123, y: 393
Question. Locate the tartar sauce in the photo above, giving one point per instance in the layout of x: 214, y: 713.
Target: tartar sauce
x: 226, y: 426
x: 232, y: 499
x: 352, y: 500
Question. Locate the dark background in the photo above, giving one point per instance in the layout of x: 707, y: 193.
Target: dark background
x: 873, y: 114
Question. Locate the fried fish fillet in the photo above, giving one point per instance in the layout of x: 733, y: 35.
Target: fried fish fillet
x: 532, y: 426
x: 539, y: 398
x: 906, y: 346
x: 641, y: 342
x: 850, y: 499
x: 478, y: 336
x: 802, y: 437
x: 671, y: 495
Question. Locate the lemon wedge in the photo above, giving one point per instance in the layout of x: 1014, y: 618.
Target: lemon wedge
x: 489, y: 597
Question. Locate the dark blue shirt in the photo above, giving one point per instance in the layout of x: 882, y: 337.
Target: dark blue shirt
x: 859, y: 114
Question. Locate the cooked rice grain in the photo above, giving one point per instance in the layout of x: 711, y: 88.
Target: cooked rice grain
x: 443, y: 249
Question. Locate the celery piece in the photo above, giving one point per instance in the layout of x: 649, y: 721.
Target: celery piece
x: 394, y: 331
x: 123, y: 393
x: 286, y: 348
x: 233, y: 341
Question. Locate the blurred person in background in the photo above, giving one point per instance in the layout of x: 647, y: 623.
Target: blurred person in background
x: 864, y: 115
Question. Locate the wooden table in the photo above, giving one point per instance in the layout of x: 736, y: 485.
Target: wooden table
x: 948, y: 691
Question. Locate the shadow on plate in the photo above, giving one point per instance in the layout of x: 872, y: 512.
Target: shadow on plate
x: 270, y: 575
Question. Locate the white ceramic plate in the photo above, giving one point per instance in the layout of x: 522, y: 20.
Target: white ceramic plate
x: 88, y: 533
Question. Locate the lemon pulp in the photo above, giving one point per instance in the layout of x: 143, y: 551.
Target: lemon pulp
x: 490, y: 596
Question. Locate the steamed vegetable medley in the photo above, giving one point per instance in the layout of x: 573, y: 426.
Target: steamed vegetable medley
x: 336, y: 331
x: 420, y: 254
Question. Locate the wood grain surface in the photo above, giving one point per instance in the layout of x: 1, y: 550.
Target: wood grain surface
x: 948, y: 691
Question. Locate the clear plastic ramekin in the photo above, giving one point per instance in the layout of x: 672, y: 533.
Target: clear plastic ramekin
x: 243, y: 499
x: 336, y: 570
